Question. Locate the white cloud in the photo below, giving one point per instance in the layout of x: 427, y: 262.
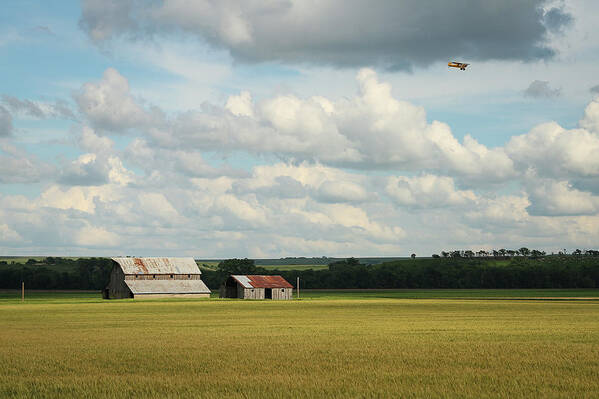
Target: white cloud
x: 8, y: 235
x: 91, y: 236
x: 17, y: 166
x: 241, y: 105
x: 339, y: 191
x: 108, y: 104
x: 370, y: 130
x: 554, y: 151
x: 89, y: 141
x: 558, y: 198
x: 427, y: 192
x: 590, y: 120
x: 157, y: 205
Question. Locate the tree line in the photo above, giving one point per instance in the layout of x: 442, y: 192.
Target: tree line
x: 576, y: 270
x: 509, y: 253
x: 559, y: 271
x: 55, y: 273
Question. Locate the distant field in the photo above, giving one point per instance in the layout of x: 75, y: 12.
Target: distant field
x: 294, y: 267
x: 340, y: 344
x: 21, y: 259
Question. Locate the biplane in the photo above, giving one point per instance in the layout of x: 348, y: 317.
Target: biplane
x: 460, y: 65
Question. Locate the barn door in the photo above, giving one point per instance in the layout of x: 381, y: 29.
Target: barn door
x: 268, y: 293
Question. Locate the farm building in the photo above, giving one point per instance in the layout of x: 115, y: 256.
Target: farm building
x: 154, y: 278
x: 256, y: 287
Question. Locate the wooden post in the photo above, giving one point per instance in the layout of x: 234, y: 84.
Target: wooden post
x: 298, y: 294
x: 22, y: 291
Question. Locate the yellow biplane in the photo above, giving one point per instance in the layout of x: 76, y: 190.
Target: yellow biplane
x: 460, y: 65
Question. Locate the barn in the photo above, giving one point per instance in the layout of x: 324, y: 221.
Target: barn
x: 256, y: 287
x: 155, y: 278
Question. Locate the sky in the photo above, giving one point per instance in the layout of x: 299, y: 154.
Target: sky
x: 220, y: 129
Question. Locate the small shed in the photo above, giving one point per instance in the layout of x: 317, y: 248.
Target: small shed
x: 256, y: 287
x: 155, y: 278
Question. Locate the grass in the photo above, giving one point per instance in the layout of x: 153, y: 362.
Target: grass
x: 451, y: 293
x: 342, y: 344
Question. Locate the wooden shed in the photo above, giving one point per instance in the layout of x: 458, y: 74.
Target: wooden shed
x: 155, y: 278
x: 256, y: 287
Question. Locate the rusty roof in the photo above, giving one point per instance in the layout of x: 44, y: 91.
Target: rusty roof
x: 167, y: 286
x: 261, y: 281
x: 158, y: 265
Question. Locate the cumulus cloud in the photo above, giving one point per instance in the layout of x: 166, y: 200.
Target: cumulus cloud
x: 109, y: 105
x: 372, y: 130
x: 39, y: 110
x: 427, y: 191
x: 5, y: 122
x: 89, y: 141
x: 8, y: 235
x: 86, y: 170
x: 17, y: 166
x: 541, y: 89
x: 338, y: 191
x: 552, y: 151
x: 91, y: 236
x: 559, y: 198
x: 590, y: 121
x: 394, y: 34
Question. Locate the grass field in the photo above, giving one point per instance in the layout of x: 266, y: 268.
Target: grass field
x: 338, y: 344
x: 294, y: 267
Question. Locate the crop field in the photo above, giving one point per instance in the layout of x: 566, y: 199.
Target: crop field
x: 336, y: 344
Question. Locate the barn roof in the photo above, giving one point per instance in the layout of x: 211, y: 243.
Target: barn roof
x: 167, y: 287
x: 261, y: 281
x: 158, y: 265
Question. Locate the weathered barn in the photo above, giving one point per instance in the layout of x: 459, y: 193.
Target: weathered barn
x: 256, y: 287
x: 154, y: 278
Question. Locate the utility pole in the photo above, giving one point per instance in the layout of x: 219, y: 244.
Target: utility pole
x: 298, y: 288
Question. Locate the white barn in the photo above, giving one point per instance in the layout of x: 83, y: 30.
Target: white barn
x: 155, y: 278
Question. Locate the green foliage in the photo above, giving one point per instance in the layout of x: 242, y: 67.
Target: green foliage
x: 57, y: 273
x: 455, y: 272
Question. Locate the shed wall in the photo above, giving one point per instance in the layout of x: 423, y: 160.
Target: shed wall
x: 282, y: 293
x: 252, y: 293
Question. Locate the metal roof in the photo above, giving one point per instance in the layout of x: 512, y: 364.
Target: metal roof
x: 261, y: 281
x: 158, y: 265
x: 167, y: 286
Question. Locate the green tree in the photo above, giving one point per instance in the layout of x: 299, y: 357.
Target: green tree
x: 237, y: 266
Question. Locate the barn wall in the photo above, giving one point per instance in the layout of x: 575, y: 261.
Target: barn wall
x: 116, y: 287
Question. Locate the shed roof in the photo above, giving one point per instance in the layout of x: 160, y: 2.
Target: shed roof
x: 158, y: 265
x: 261, y: 281
x: 167, y: 286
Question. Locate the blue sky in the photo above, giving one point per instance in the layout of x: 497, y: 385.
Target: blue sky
x: 248, y: 129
